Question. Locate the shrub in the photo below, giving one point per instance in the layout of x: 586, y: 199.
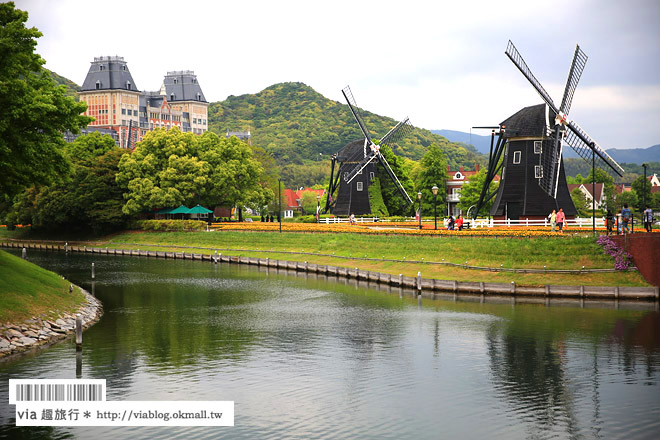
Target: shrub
x: 171, y: 225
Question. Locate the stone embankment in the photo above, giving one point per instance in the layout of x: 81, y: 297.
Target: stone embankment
x: 39, y: 331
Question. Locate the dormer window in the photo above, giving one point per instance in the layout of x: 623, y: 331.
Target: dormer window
x: 176, y: 80
x: 101, y: 67
x: 172, y: 97
x: 123, y: 67
x: 458, y: 175
x: 199, y: 97
x: 98, y: 85
x: 128, y: 85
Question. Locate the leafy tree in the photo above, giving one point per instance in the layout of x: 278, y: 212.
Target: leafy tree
x: 169, y: 168
x: 432, y: 172
x: 471, y: 191
x: 580, y: 200
x: 88, y: 199
x: 35, y: 111
x: 643, y: 189
x: 308, y: 202
x: 626, y: 198
x: 394, y: 201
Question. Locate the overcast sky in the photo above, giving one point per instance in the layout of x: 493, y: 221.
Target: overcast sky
x: 440, y: 63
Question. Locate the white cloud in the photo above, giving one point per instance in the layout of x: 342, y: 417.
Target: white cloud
x: 440, y: 63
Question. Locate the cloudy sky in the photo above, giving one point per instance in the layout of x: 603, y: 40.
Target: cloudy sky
x: 440, y: 63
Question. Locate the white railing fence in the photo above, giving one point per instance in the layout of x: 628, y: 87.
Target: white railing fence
x: 586, y: 222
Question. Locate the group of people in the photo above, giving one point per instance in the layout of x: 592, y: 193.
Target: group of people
x: 455, y: 224
x: 269, y: 219
x: 624, y: 219
x: 557, y: 220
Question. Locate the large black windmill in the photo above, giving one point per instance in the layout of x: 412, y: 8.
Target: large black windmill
x: 529, y: 146
x: 356, y: 167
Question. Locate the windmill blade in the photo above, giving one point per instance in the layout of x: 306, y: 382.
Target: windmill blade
x: 550, y: 162
x: 397, y: 133
x: 356, y: 114
x: 579, y: 61
x: 359, y: 167
x: 395, y: 179
x: 517, y: 59
x: 583, y: 145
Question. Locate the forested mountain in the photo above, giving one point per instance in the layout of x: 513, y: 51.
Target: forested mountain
x: 72, y: 88
x: 575, y: 166
x: 295, y: 123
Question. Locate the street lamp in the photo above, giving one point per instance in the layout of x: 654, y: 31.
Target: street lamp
x: 419, y: 196
x: 644, y: 165
x: 435, y: 205
x: 279, y: 200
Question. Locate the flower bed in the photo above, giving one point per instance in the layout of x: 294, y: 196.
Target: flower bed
x: 622, y: 259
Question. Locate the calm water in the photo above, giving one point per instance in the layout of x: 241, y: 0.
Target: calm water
x: 307, y: 358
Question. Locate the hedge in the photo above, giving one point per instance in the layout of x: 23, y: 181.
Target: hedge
x: 171, y: 225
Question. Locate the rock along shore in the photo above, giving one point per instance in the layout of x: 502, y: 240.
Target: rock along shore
x: 39, y: 332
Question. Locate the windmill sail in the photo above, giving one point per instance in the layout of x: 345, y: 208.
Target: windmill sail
x: 579, y: 61
x: 397, y: 133
x: 517, y: 59
x: 356, y: 112
x: 584, y: 146
x: 395, y: 179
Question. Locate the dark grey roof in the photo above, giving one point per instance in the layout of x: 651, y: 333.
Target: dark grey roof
x: 182, y: 85
x: 352, y: 152
x: 151, y: 99
x: 528, y: 122
x: 108, y: 73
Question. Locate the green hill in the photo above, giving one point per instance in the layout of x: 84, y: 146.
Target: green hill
x: 72, y: 88
x: 294, y: 123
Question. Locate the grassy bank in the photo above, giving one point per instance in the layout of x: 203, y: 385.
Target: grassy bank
x: 27, y: 290
x: 555, y: 253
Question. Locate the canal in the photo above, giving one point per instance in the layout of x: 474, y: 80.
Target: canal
x: 305, y: 357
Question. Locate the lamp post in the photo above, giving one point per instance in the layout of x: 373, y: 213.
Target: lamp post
x: 318, y: 208
x: 419, y: 197
x: 644, y: 165
x: 435, y: 205
x: 279, y: 202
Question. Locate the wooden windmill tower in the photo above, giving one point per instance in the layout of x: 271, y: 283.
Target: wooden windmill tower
x: 528, y: 152
x: 356, y: 167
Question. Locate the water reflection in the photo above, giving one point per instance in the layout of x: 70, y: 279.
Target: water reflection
x: 298, y: 354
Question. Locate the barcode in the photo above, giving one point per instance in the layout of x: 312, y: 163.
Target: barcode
x: 56, y: 390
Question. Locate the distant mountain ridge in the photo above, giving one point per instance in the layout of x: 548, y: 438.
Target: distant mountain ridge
x: 621, y: 155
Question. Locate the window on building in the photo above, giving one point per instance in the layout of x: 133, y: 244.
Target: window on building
x: 538, y: 171
x: 199, y: 97
x: 171, y: 96
x: 516, y: 157
x: 371, y: 175
x: 538, y: 147
x: 98, y: 85
x: 176, y: 80
x: 345, y: 176
x: 123, y: 67
x: 123, y: 111
x: 358, y: 186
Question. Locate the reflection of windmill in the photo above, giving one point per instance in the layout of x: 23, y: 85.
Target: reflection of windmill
x: 533, y: 180
x: 357, y: 168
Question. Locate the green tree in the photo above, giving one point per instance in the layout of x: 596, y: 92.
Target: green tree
x: 88, y: 199
x: 308, y: 203
x: 580, y: 201
x: 642, y: 187
x: 35, y: 111
x: 471, y: 191
x: 394, y: 201
x: 169, y: 168
x: 432, y: 172
x: 626, y: 198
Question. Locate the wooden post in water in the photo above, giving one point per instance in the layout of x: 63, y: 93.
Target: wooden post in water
x: 92, y: 270
x: 24, y: 254
x: 78, y: 332
x: 419, y: 283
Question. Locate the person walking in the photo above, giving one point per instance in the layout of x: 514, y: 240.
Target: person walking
x: 553, y: 219
x: 609, y: 220
x: 561, y: 218
x: 626, y: 215
x: 648, y: 219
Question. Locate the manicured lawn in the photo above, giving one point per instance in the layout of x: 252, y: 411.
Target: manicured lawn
x: 558, y: 252
x: 27, y: 290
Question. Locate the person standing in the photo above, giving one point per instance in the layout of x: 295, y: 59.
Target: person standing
x: 352, y: 218
x: 648, y: 219
x: 626, y: 215
x: 459, y: 222
x: 561, y: 218
x: 553, y: 219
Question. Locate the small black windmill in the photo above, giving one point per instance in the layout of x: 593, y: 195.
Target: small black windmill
x: 356, y: 167
x: 533, y: 179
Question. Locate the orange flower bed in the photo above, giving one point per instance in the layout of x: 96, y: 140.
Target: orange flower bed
x: 384, y: 228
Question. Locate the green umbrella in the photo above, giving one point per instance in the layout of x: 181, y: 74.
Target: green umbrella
x: 180, y: 210
x: 199, y: 210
